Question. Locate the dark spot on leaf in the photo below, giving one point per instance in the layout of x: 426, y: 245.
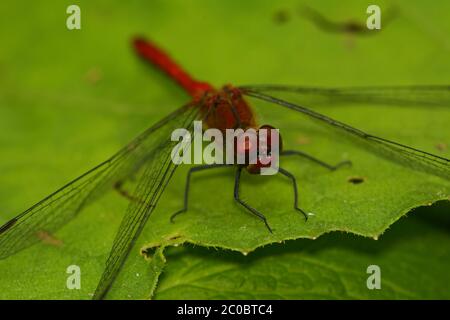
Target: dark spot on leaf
x: 303, y: 140
x: 348, y: 26
x: 281, y: 16
x: 356, y: 180
x: 94, y: 75
x: 48, y: 238
x: 442, y: 146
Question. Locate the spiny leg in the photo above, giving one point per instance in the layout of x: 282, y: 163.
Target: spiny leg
x: 188, y: 179
x: 294, y: 182
x: 315, y: 160
x: 245, y: 205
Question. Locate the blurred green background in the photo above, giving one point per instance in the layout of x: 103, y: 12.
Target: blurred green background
x: 70, y: 99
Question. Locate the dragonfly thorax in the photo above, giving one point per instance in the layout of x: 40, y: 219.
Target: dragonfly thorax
x: 227, y: 109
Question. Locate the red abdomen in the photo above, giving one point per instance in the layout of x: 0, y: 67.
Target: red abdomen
x: 225, y: 108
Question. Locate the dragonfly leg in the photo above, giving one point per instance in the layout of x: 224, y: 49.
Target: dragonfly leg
x: 294, y: 183
x: 315, y: 160
x: 245, y: 205
x: 188, y: 180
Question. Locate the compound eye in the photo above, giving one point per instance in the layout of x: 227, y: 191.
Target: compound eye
x: 267, y: 139
x: 245, y: 146
x: 266, y: 126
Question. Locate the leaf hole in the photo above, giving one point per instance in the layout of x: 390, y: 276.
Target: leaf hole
x: 356, y: 180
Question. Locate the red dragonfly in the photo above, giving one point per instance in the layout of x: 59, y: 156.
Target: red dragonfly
x: 148, y: 157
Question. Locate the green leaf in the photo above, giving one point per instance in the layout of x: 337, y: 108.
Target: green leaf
x: 70, y: 99
x: 331, y: 267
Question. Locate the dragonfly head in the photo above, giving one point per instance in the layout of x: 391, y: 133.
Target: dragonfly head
x: 265, y: 152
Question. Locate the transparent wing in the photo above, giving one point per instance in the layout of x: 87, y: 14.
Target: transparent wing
x: 388, y: 95
x: 412, y: 157
x: 153, y: 178
x: 60, y: 207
